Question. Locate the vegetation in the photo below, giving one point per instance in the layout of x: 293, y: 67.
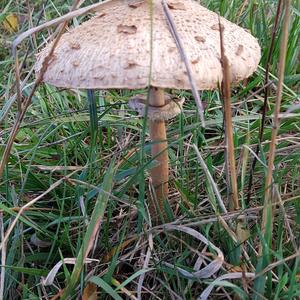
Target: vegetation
x: 76, y: 166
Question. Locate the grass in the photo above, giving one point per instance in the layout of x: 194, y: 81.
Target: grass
x: 56, y: 165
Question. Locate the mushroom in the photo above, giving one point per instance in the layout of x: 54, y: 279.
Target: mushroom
x: 128, y: 45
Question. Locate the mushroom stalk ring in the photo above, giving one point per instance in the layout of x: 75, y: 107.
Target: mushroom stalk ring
x: 171, y: 109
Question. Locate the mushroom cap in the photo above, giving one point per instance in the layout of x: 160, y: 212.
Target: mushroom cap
x: 116, y: 48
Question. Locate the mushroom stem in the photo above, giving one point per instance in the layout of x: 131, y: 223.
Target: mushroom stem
x: 160, y: 173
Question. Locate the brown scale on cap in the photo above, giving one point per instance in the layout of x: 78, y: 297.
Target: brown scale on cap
x: 75, y: 63
x: 136, y: 4
x: 239, y: 50
x: 200, y: 39
x: 217, y: 27
x: 177, y: 5
x: 74, y: 45
x: 130, y: 29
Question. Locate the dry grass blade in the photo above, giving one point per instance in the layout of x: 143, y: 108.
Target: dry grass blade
x: 146, y: 261
x: 238, y: 275
x: 228, y: 122
x: 180, y: 47
x: 211, y: 268
x: 239, y: 214
x: 286, y: 221
x: 142, y: 277
x: 276, y: 121
x: 255, y: 156
x: 210, y: 178
x: 278, y: 263
x: 49, y: 280
x: 125, y: 291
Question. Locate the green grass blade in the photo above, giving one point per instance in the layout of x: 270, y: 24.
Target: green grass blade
x: 96, y: 218
x: 106, y: 287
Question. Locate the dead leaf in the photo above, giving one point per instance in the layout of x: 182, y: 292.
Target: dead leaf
x: 118, y: 248
x: 90, y: 292
x: 38, y: 242
x: 242, y: 232
x: 11, y: 23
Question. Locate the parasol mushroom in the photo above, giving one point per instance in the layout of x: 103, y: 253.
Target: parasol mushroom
x: 128, y: 45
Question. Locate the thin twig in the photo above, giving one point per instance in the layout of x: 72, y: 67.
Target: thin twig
x: 276, y: 121
x: 183, y: 55
x: 277, y: 263
x: 239, y: 214
x: 228, y: 122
